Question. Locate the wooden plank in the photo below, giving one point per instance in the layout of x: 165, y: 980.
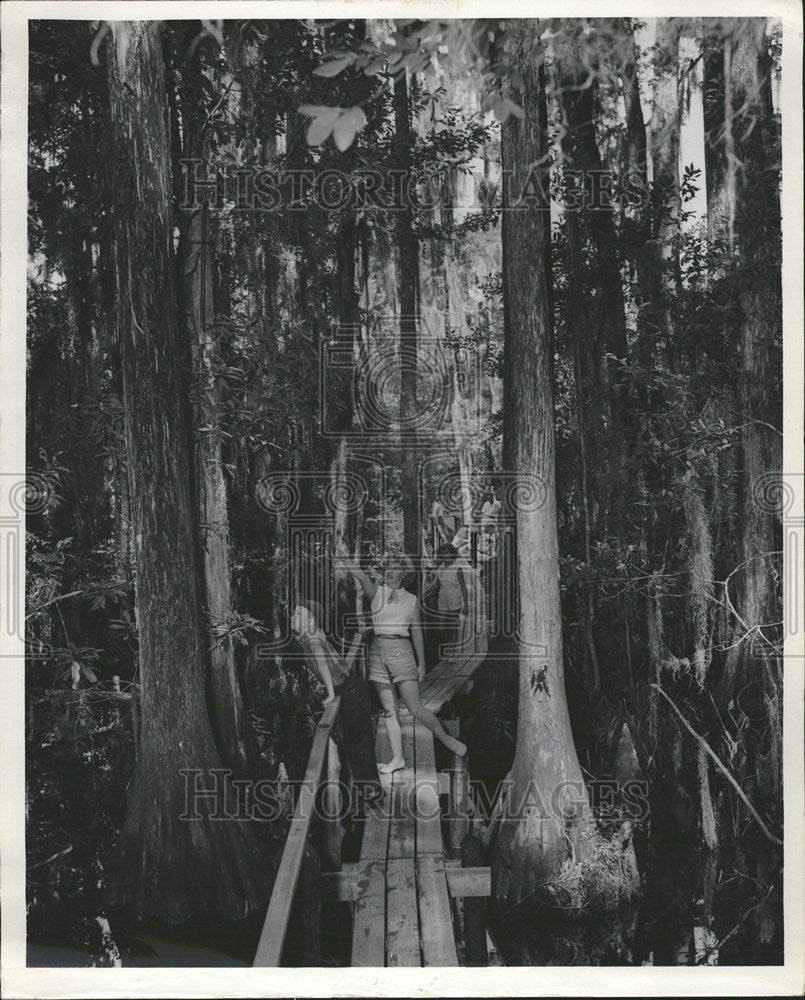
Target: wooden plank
x: 440, y: 671
x: 436, y: 923
x: 275, y: 925
x: 402, y: 826
x: 342, y: 887
x: 459, y: 804
x: 339, y: 887
x: 376, y: 827
x: 331, y: 808
x: 369, y: 916
x: 469, y: 881
x: 436, y: 698
x: 402, y: 919
x: 445, y: 671
x: 438, y: 691
x: 427, y: 810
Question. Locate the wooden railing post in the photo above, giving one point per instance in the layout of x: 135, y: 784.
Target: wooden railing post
x: 304, y: 923
x: 475, y: 953
x: 459, y: 815
x: 298, y: 858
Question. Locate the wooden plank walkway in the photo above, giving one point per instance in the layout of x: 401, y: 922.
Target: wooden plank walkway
x: 401, y: 895
x: 447, y: 679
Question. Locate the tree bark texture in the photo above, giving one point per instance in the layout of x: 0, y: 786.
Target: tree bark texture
x: 408, y: 281
x: 758, y: 239
x: 665, y: 129
x: 170, y: 871
x: 634, y: 166
x: 212, y: 514
x: 536, y: 836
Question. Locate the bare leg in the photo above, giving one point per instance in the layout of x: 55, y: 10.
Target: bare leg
x: 410, y: 695
x: 391, y: 719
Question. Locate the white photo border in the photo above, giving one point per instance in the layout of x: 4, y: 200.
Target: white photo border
x: 18, y: 981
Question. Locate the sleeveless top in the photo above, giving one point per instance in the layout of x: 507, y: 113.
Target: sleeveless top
x: 392, y: 611
x: 316, y: 644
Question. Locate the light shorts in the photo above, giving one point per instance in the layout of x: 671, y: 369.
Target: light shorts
x: 393, y: 657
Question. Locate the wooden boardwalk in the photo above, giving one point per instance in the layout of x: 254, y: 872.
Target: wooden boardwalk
x: 401, y: 893
x: 402, y: 887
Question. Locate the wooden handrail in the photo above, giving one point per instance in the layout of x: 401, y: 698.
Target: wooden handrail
x: 275, y: 925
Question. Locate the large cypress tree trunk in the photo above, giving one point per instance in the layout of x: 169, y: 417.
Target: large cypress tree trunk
x: 348, y: 315
x: 594, y: 217
x: 758, y: 244
x: 596, y: 311
x: 665, y: 128
x: 634, y: 168
x: 536, y: 836
x: 753, y: 175
x: 171, y: 871
x: 753, y: 664
x: 715, y: 62
x: 758, y: 236
x: 408, y: 281
x: 212, y: 515
x: 211, y: 501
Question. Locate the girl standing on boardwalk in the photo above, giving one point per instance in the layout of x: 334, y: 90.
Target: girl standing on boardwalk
x: 397, y: 653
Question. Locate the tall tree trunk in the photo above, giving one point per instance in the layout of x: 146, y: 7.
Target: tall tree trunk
x: 745, y: 198
x: 595, y: 304
x: 170, y: 871
x: 758, y: 243
x: 348, y: 305
x: 211, y: 500
x: 408, y: 274
x: 348, y: 315
x: 196, y: 261
x: 596, y: 295
x: 716, y: 72
x: 534, y: 837
x: 634, y: 167
x: 665, y: 129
